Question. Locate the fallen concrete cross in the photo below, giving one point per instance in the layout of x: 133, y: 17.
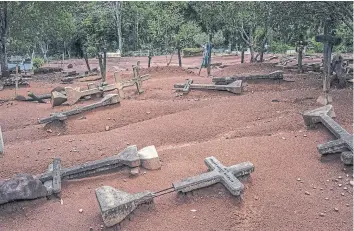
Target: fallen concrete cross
x: 109, y: 99
x: 115, y: 205
x: 218, y: 173
x: 35, y: 98
x: 344, y: 143
x: 128, y: 157
x: 226, y: 80
x: 1, y: 143
x: 233, y: 87
x: 26, y: 186
x: 40, y: 97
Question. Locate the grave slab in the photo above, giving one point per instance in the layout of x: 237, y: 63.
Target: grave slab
x: 218, y: 173
x: 277, y: 75
x: 344, y: 143
x: 109, y: 99
x: 234, y: 87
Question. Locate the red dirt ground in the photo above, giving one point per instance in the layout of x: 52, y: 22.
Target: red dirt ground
x: 185, y: 130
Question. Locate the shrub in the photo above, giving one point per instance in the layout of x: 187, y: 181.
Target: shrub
x: 190, y: 52
x: 280, y: 48
x: 37, y: 62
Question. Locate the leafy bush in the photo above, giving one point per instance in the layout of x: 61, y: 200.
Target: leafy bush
x: 315, y: 46
x: 201, y: 38
x: 279, y: 48
x: 218, y: 38
x: 38, y: 62
x: 189, y: 52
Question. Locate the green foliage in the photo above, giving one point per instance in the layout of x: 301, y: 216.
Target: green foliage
x: 315, y: 46
x: 189, y: 52
x: 279, y: 48
x: 218, y: 38
x: 37, y: 62
x: 201, y: 38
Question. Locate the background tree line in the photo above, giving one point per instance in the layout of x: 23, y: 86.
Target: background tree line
x: 82, y: 29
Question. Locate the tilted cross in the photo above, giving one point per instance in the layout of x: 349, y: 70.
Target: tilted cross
x: 329, y: 41
x: 136, y: 80
x: 344, y: 143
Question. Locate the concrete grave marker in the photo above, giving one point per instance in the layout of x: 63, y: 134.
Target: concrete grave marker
x: 329, y: 40
x: 135, y: 81
x: 109, y: 99
x: 128, y: 157
x: 73, y: 95
x: 276, y: 75
x: 233, y: 87
x: 149, y: 158
x: 115, y: 205
x: 218, y: 173
x: 26, y: 186
x: 344, y: 143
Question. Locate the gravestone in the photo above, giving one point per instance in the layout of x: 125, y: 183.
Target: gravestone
x: 344, y: 143
x: 234, y: 87
x: 276, y: 75
x: 109, y: 99
x: 329, y: 40
x: 115, y: 205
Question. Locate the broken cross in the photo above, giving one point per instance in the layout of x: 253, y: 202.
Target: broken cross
x: 343, y: 144
x: 276, y: 75
x: 107, y: 100
x: 115, y: 205
x: 233, y: 87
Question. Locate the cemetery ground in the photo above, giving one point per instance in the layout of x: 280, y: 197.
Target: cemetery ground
x: 292, y: 187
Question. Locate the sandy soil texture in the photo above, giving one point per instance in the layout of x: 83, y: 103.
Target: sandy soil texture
x: 262, y: 125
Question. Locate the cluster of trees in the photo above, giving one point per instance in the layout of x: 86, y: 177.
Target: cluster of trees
x: 82, y: 29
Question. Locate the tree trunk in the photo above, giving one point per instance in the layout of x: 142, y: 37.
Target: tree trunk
x: 242, y: 56
x: 87, y: 62
x: 179, y: 56
x: 118, y: 20
x: 251, y: 45
x: 3, y: 39
x: 149, y: 58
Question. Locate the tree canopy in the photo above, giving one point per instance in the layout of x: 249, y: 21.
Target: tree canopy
x: 78, y: 28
